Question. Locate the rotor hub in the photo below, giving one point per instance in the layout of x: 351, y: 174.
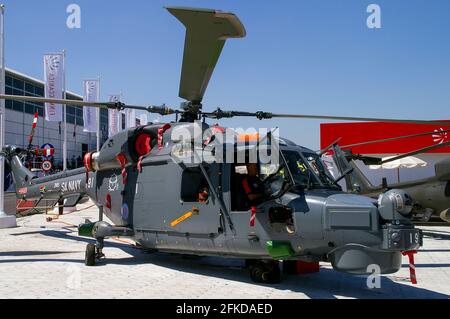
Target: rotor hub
x: 191, y: 111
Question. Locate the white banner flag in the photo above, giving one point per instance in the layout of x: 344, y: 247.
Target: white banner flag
x: 143, y: 118
x: 54, y: 78
x: 90, y: 113
x: 113, y: 117
x: 130, y: 118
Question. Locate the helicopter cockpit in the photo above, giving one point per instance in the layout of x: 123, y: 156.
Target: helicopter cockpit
x: 297, y: 170
x: 307, y: 170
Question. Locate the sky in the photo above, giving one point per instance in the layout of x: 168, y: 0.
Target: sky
x: 299, y: 56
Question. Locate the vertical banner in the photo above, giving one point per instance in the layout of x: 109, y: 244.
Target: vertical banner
x: 113, y: 117
x: 130, y: 118
x: 122, y: 120
x: 143, y: 118
x: 90, y: 88
x: 53, y: 77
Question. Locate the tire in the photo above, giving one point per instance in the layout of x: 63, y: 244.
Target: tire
x: 265, y: 273
x: 256, y: 273
x: 289, y: 267
x: 273, y: 275
x: 89, y: 259
x: 290, y: 229
x: 250, y: 262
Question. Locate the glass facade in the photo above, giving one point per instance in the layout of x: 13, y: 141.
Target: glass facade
x: 15, y: 85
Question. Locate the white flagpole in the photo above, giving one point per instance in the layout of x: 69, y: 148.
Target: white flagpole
x: 98, y: 114
x: 120, y: 115
x: 5, y: 220
x: 65, y: 114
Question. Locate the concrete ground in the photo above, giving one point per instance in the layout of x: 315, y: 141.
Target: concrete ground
x: 41, y: 259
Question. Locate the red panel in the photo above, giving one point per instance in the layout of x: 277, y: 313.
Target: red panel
x: 304, y: 267
x: 351, y: 133
x: 23, y: 205
x: 142, y: 144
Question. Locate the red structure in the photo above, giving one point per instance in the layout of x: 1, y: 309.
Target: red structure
x: 352, y: 133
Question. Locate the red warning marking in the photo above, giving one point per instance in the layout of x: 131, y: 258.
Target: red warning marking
x: 412, y: 267
x: 252, y: 216
x: 123, y: 162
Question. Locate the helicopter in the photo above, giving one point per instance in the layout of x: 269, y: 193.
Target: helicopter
x: 143, y: 181
x: 32, y: 158
x: 431, y: 195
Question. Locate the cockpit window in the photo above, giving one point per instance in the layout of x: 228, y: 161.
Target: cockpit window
x: 308, y: 171
x: 300, y: 173
x: 319, y: 168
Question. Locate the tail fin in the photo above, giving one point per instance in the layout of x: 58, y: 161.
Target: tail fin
x: 355, y: 180
x: 21, y: 175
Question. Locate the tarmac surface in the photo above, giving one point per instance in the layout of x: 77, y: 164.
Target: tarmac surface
x: 41, y: 259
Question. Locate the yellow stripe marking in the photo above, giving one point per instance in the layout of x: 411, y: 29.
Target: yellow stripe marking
x: 180, y: 219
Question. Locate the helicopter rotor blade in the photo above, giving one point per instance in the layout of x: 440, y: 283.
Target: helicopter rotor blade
x: 37, y: 99
x: 323, y: 151
x: 367, y: 160
x: 206, y: 33
x: 362, y: 119
x: 393, y: 139
x: 162, y: 110
x: 419, y: 151
x: 219, y: 113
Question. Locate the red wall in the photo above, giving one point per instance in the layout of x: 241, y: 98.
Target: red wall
x: 360, y: 132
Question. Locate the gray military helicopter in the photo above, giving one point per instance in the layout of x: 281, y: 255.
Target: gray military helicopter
x: 431, y: 195
x: 152, y: 197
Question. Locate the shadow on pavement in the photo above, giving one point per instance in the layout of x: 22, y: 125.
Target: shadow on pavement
x: 434, y: 250
x: 436, y: 235
x: 327, y: 283
x: 33, y: 253
x: 428, y: 265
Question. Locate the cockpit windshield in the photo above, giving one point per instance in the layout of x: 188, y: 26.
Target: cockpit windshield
x: 307, y: 170
x: 319, y: 168
x: 296, y: 171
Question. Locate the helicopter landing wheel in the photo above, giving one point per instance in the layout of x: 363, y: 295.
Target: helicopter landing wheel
x: 266, y: 273
x: 89, y: 259
x: 290, y: 229
x: 93, y: 253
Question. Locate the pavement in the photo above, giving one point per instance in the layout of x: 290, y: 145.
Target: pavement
x: 41, y: 259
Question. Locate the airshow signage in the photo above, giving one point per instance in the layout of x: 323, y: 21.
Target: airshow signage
x: 54, y: 80
x: 90, y: 113
x: 113, y: 116
x: 130, y: 118
x: 48, y: 150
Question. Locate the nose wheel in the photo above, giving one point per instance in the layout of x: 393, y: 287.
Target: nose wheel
x: 93, y: 253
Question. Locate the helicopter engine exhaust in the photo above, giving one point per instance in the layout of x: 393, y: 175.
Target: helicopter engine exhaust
x: 133, y: 144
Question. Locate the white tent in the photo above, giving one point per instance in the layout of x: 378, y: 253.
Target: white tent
x: 406, y: 162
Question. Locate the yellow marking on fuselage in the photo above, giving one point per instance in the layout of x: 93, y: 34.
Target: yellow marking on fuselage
x: 180, y: 219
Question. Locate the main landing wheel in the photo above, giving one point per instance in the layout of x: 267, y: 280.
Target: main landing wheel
x: 89, y: 259
x: 266, y: 273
